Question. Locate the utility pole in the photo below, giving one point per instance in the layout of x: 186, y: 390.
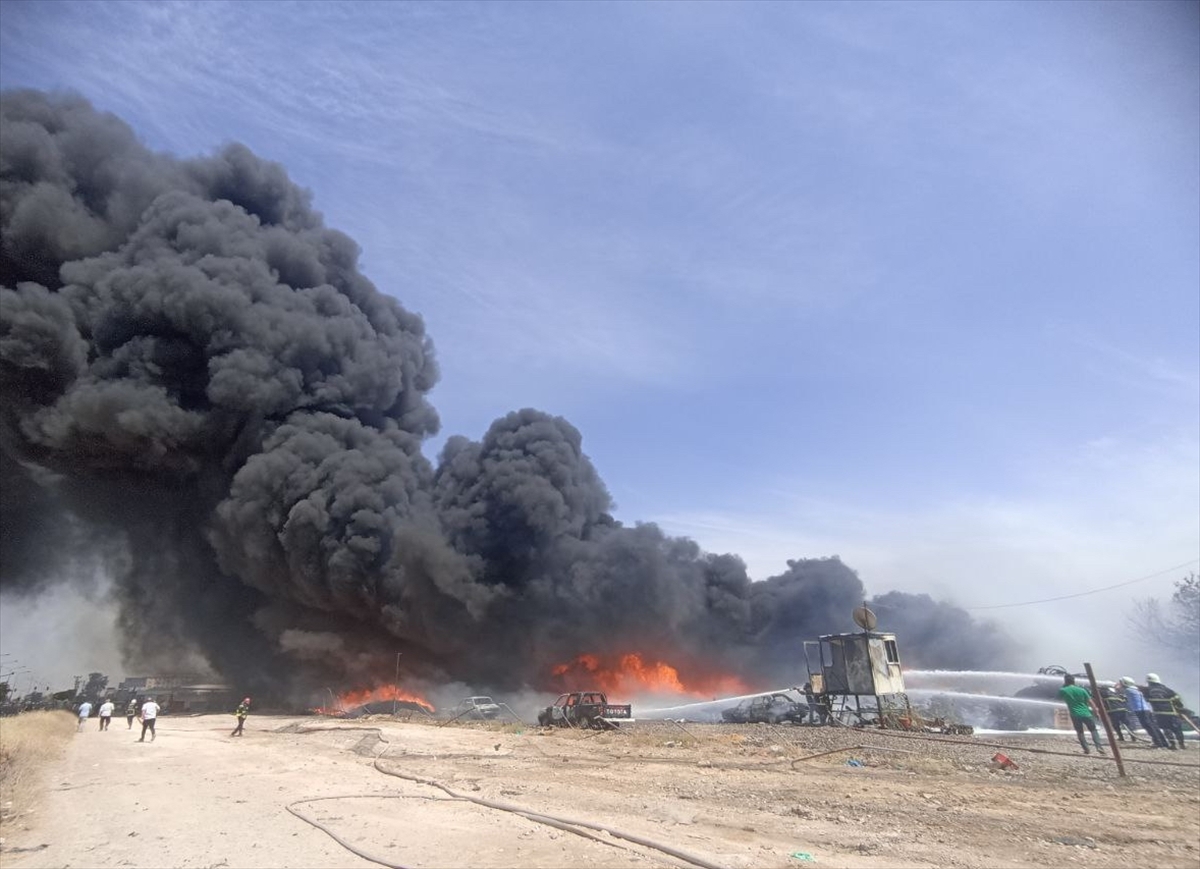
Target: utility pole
x: 1102, y: 710
x: 12, y: 679
x: 396, y: 685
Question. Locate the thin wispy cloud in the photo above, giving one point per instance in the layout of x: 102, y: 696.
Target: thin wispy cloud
x: 1146, y: 372
x: 1060, y: 527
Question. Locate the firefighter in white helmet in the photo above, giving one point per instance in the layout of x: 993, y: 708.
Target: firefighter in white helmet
x: 1166, y: 705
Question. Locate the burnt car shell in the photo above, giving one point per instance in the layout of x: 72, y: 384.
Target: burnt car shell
x: 775, y: 708
x: 739, y: 714
x: 476, y: 707
x: 778, y: 708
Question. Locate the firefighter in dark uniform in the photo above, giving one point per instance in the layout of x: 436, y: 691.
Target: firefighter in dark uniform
x: 811, y: 700
x: 818, y: 704
x: 241, y: 712
x: 1118, y: 711
x: 1166, y: 704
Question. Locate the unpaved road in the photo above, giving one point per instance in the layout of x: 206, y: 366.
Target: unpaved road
x: 709, y: 795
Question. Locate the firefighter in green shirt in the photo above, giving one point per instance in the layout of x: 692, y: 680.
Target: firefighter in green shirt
x: 1079, y: 704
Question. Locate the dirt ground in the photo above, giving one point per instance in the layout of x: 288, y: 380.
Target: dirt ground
x: 412, y: 794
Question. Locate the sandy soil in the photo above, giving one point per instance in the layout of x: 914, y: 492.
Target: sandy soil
x: 413, y: 794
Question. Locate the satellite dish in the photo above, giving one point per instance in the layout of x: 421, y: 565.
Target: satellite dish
x: 864, y: 618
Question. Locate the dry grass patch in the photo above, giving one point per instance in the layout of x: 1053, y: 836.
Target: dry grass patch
x: 921, y: 764
x: 28, y: 743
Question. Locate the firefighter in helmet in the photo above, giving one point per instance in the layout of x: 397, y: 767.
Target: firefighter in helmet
x: 241, y: 712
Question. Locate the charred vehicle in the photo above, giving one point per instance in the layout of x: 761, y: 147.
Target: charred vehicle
x: 479, y: 708
x: 776, y: 708
x: 587, y: 709
x: 739, y: 714
x: 1045, y: 689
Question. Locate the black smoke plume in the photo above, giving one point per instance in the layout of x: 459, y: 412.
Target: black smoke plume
x: 201, y: 391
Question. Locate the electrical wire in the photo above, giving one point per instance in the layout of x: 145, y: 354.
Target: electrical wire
x: 999, y: 606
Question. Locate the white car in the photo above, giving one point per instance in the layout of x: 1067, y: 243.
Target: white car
x: 476, y: 707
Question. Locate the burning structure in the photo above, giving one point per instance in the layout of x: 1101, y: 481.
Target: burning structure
x: 203, y: 399
x: 863, y: 667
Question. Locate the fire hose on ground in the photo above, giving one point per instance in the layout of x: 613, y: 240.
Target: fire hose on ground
x: 929, y: 738
x: 580, y: 828
x: 565, y: 824
x: 328, y: 832
x: 366, y: 855
x: 576, y: 827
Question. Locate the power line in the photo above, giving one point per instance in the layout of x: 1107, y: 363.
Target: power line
x: 1000, y: 606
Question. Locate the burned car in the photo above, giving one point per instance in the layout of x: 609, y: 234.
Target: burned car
x: 586, y: 709
x: 775, y: 708
x: 479, y: 708
x: 779, y: 708
x: 739, y: 714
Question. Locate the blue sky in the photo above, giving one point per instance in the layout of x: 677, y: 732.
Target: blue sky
x: 915, y: 284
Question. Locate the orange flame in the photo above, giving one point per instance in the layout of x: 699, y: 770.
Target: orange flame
x: 631, y: 675
x: 351, y: 699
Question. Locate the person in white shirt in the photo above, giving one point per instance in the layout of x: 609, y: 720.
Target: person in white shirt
x: 106, y: 711
x: 85, y: 710
x: 149, y: 716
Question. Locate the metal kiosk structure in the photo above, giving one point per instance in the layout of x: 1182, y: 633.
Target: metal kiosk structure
x: 864, y: 667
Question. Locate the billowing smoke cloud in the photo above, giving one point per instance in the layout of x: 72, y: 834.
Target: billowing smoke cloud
x: 201, y: 390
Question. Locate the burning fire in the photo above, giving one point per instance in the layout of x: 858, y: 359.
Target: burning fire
x: 631, y: 675
x: 353, y: 699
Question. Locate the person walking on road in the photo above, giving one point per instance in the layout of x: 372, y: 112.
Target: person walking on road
x: 131, y: 712
x: 1079, y: 704
x: 106, y: 711
x: 241, y: 712
x: 85, y: 712
x: 1166, y: 704
x: 149, y: 717
x: 1140, y: 709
